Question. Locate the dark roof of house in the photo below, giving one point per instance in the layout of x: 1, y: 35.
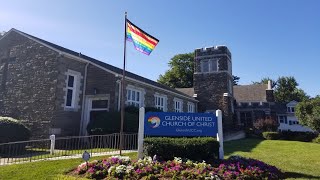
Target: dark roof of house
x: 105, y: 65
x: 250, y: 93
x: 187, y: 91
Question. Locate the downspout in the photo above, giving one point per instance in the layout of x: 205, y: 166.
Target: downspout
x: 83, y: 100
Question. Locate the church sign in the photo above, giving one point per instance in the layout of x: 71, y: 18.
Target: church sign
x: 180, y: 124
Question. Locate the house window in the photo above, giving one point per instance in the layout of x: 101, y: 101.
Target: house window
x: 229, y: 67
x: 213, y: 65
x: 72, y: 89
x: 160, y: 102
x: 290, y: 109
x: 205, y: 66
x: 178, y: 105
x: 282, y: 119
x: 134, y: 97
x: 191, y: 108
x: 290, y: 122
x: 209, y: 65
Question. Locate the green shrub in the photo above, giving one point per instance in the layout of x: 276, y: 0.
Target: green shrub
x: 271, y: 135
x: 316, y: 140
x: 196, y: 148
x: 103, y: 122
x: 298, y: 136
x: 12, y: 130
x: 109, y: 122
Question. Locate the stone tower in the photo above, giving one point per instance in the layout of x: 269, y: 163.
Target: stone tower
x: 213, y: 81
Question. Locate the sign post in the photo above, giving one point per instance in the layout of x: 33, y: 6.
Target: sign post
x: 141, y: 132
x: 180, y: 124
x: 220, y: 133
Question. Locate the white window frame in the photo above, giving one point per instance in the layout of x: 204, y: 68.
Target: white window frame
x: 191, y: 107
x: 290, y: 109
x: 141, y: 96
x: 178, y: 105
x: 160, y: 106
x: 282, y: 117
x: 75, y: 89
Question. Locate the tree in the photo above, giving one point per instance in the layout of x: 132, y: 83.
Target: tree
x: 286, y: 90
x: 265, y: 81
x: 235, y: 80
x: 308, y: 113
x: 180, y: 74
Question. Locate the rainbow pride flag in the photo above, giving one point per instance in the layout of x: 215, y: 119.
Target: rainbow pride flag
x: 142, y: 41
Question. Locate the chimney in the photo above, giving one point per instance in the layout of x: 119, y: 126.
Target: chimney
x: 269, y: 85
x: 269, y: 92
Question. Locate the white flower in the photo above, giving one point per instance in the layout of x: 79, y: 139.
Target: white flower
x: 120, y: 169
x: 111, y: 169
x: 178, y: 159
x: 129, y: 169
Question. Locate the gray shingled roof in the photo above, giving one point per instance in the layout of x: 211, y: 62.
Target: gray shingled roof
x: 187, y: 91
x: 250, y: 93
x: 105, y: 65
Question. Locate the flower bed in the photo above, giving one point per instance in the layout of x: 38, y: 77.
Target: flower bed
x: 121, y: 167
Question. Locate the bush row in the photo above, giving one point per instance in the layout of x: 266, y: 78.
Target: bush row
x: 290, y: 135
x: 195, y: 148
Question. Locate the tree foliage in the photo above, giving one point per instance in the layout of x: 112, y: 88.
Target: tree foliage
x: 236, y: 80
x: 265, y: 81
x: 285, y: 89
x: 308, y: 113
x: 180, y: 74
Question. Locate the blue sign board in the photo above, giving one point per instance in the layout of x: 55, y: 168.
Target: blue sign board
x: 180, y: 124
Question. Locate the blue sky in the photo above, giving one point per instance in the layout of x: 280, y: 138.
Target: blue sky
x: 266, y: 38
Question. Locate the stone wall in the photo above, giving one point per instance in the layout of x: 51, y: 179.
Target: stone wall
x: 100, y: 81
x: 28, y: 80
x: 211, y: 87
x: 66, y: 121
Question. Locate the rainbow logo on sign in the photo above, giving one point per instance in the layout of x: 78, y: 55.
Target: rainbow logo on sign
x: 154, y: 121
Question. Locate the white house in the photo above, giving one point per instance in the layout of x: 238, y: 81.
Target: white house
x: 288, y: 120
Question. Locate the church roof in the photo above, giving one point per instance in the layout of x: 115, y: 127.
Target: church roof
x: 187, y: 91
x: 93, y: 61
x: 250, y: 93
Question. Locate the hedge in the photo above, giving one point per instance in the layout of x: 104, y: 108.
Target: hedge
x: 195, y: 148
x: 298, y: 136
x: 271, y: 135
x: 12, y: 130
x: 316, y: 140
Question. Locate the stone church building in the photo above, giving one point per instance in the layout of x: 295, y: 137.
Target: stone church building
x: 53, y: 90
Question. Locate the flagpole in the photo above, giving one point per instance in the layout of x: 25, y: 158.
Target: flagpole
x: 123, y: 83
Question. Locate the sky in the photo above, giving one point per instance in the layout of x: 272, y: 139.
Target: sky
x: 266, y: 38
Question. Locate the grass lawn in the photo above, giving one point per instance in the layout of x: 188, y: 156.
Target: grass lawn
x: 43, y: 169
x: 297, y: 159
